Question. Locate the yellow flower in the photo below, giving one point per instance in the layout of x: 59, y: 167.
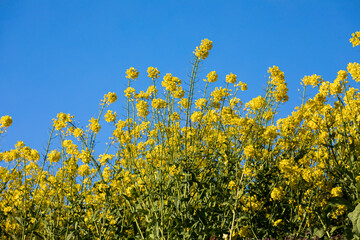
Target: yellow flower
x: 175, y: 116
x: 110, y: 98
x: 62, y: 120
x: 256, y: 103
x: 151, y: 90
x: 142, y: 108
x: 219, y: 93
x: 242, y: 85
x: 245, y: 231
x: 231, y: 78
x: 232, y: 185
x: 211, y: 77
x: 355, y: 40
x: 179, y: 93
x: 278, y: 193
x: 104, y: 158
x: 200, y: 103
x: 78, y: 132
x: 184, y: 103
x: 202, y: 52
x: 249, y: 151
x: 159, y: 103
x: 312, y: 80
x: 277, y: 222
x: 94, y: 125
x: 277, y: 79
x: 153, y: 72
x: 54, y: 156
x: 336, y: 192
x: 132, y: 73
x: 19, y: 144
x: 196, y: 116
x: 84, y: 170
x: 129, y: 91
x: 340, y: 210
x: 354, y: 70
x: 5, y: 121
x: 85, y: 156
x: 110, y: 116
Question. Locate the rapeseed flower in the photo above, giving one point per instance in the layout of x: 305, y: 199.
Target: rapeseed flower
x: 5, y: 121
x: 211, y: 77
x: 231, y: 78
x: 132, y: 73
x: 355, y: 40
x: 54, y: 156
x: 153, y: 72
x: 94, y: 125
x: 202, y: 52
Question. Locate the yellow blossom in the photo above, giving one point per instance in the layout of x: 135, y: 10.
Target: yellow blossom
x: 231, y: 78
x: 110, y: 116
x: 256, y: 103
x: 249, y: 151
x: 103, y: 158
x: 159, y: 103
x: 336, y: 192
x: 354, y: 70
x: 153, y: 72
x: 142, y: 108
x: 312, y: 80
x: 5, y: 121
x: 84, y: 170
x: 110, y: 98
x: 132, y: 73
x: 62, y: 120
x: 129, y: 91
x: 78, y: 132
x: 54, y: 156
x: 94, y: 125
x: 200, y: 103
x: 278, y: 193
x: 211, y: 77
x: 202, y: 52
x: 196, y: 116
x: 355, y: 40
x: 277, y: 222
x: 232, y: 185
x: 184, y: 103
x: 85, y: 156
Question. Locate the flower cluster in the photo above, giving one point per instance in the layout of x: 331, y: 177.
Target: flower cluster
x: 132, y: 73
x: 211, y: 77
x: 202, y: 52
x: 153, y: 72
x: 355, y: 40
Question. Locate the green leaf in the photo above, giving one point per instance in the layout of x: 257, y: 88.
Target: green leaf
x: 319, y: 232
x: 68, y: 237
x: 354, y: 216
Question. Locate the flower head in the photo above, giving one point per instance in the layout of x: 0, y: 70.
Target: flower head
x: 231, y: 78
x: 202, y: 51
x: 355, y: 40
x: 153, y: 72
x: 5, y: 121
x: 211, y: 77
x: 110, y: 98
x: 132, y: 73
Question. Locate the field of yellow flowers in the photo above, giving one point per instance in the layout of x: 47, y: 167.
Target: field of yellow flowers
x: 184, y: 168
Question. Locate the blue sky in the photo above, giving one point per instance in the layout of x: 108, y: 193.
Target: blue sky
x: 63, y: 56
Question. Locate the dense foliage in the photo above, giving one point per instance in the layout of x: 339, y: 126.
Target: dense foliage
x: 184, y: 168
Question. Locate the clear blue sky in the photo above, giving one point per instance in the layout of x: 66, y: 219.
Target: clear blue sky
x: 63, y: 56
